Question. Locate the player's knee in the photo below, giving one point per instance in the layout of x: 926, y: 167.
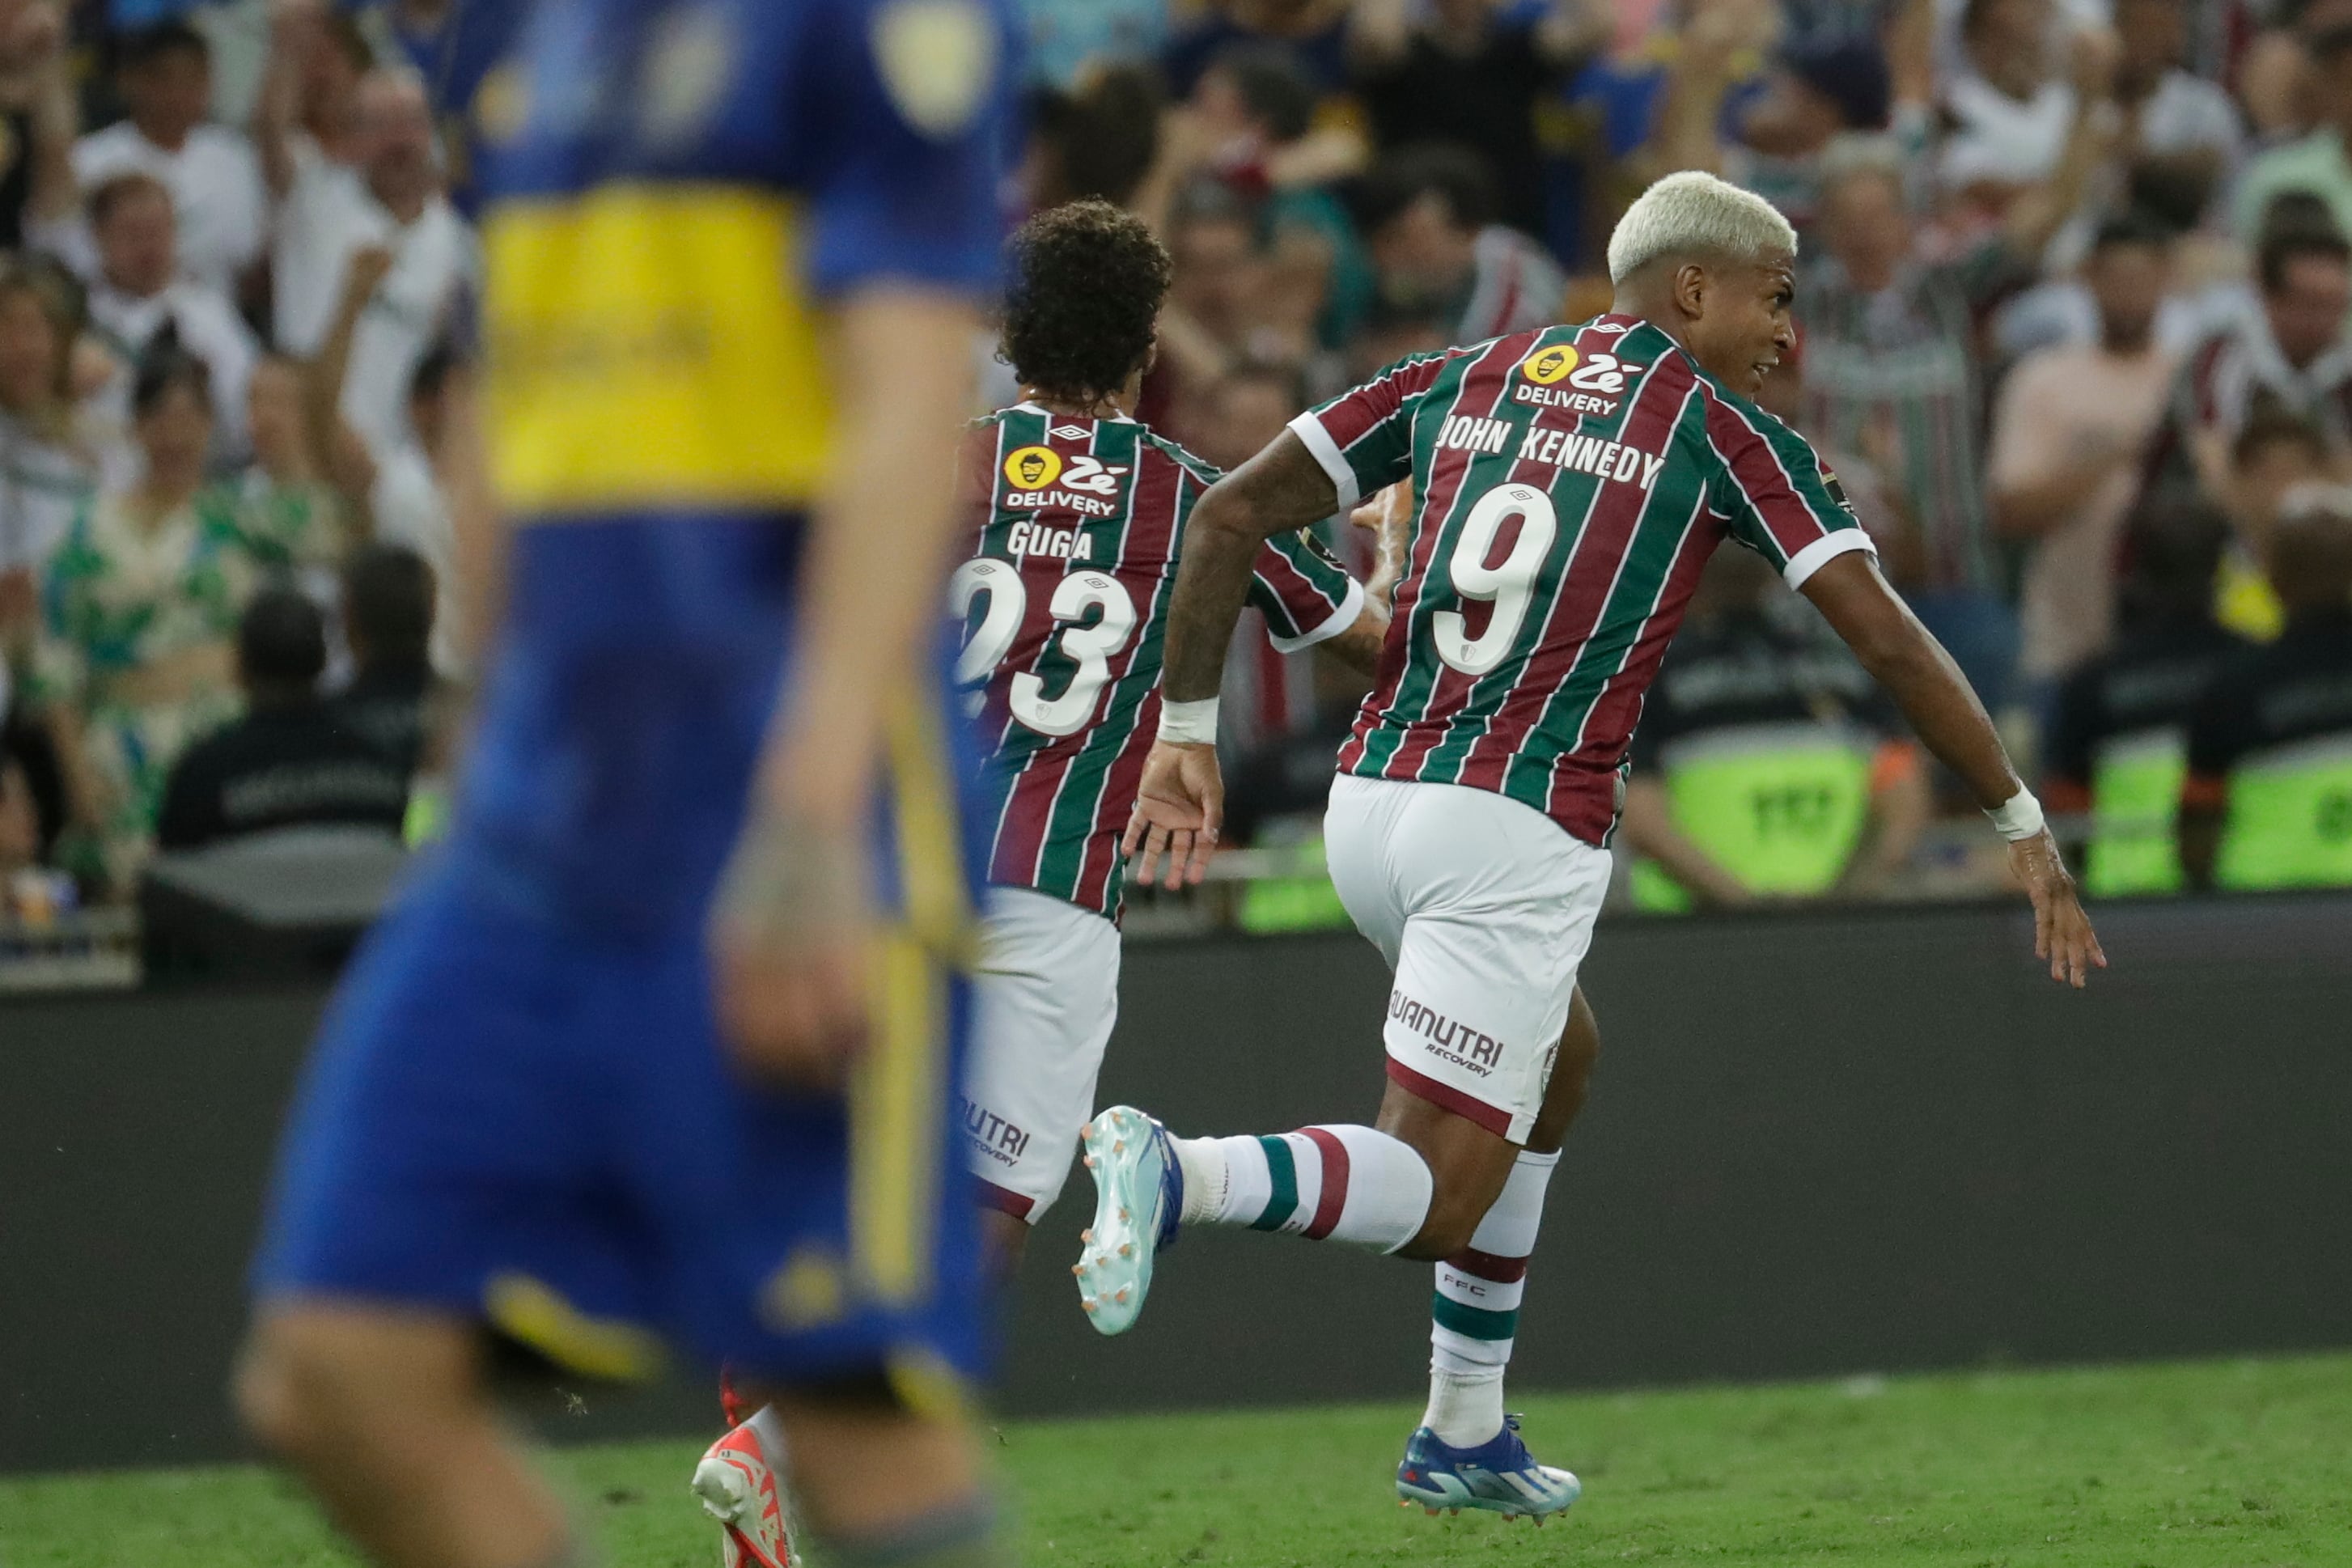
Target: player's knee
x: 267, y: 1395
x: 1454, y: 1212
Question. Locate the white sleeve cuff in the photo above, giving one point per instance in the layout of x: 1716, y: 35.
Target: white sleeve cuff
x: 1821, y: 552
x: 1339, y: 621
x: 1309, y: 429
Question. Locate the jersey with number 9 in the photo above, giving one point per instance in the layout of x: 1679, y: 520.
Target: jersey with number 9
x: 1570, y: 483
x: 1062, y: 604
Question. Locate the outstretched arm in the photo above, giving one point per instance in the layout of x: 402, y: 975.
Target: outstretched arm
x: 1181, y: 803
x: 1902, y: 657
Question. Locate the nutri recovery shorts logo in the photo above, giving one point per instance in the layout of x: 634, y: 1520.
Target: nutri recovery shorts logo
x: 1450, y: 1038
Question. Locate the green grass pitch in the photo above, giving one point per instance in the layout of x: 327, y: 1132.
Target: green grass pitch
x: 2238, y: 1464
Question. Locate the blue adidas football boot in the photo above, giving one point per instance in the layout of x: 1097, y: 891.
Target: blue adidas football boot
x: 1499, y: 1475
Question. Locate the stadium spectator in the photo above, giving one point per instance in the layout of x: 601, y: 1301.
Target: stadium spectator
x: 1825, y: 84
x: 1890, y: 373
x: 288, y: 761
x: 1902, y: 555
x: 142, y: 597
x: 1070, y: 40
x: 165, y: 78
x: 1097, y: 138
x: 2117, y: 744
x: 395, y: 493
x: 32, y: 802
x: 2268, y: 801
x: 320, y: 72
x: 2293, y: 354
x: 289, y: 512
x: 140, y: 300
x: 47, y: 464
x: 394, y: 200
x: 1766, y: 764
x: 2176, y: 125
x: 2320, y: 161
x: 1243, y: 410
x: 1472, y: 73
x: 452, y: 48
x: 2068, y: 434
x: 1315, y: 32
x: 1250, y: 125
x: 1427, y: 215
x: 2009, y: 109
x: 40, y: 115
x: 388, y: 595
x: 1215, y: 315
x: 2276, y: 455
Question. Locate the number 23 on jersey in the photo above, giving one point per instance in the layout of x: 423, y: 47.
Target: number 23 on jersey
x: 1094, y: 616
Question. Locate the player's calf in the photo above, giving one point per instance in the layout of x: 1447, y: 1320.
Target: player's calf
x: 385, y: 1417
x: 882, y: 1483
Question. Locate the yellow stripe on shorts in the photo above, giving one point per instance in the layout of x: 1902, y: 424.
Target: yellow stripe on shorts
x: 895, y: 1123
x: 652, y: 346
x: 897, y: 1094
x: 535, y: 1313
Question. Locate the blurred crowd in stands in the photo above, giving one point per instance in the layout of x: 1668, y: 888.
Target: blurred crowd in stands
x: 2073, y: 304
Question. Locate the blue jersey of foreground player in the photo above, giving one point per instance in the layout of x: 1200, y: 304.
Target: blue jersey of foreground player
x: 521, y: 1109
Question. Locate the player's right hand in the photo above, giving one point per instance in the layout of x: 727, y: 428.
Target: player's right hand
x: 1178, y: 809
x: 790, y: 938
x: 2062, y: 932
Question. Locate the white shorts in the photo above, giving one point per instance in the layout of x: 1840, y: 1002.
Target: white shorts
x: 1484, y: 908
x: 1046, y: 996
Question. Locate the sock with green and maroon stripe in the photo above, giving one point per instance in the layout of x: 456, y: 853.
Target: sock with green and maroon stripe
x: 1474, y: 1315
x: 1344, y: 1183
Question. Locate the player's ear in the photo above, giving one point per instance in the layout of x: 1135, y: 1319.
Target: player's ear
x: 1690, y: 289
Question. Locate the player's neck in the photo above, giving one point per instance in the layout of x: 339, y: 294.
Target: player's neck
x: 1117, y: 405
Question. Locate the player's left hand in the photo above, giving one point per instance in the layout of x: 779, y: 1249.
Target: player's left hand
x: 790, y: 938
x: 1178, y: 809
x: 2062, y: 932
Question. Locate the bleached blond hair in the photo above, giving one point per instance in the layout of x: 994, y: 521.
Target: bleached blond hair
x: 1694, y: 214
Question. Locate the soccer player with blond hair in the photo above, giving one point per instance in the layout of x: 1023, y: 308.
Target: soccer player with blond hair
x: 1571, y: 483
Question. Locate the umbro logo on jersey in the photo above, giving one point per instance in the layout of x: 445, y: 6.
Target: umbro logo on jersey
x: 1069, y: 432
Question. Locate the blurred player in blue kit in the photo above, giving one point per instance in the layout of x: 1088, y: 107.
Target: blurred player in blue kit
x: 662, y: 1040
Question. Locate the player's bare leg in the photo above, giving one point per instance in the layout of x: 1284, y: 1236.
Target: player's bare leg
x: 1004, y: 1241
x: 389, y: 1417
x: 878, y: 1481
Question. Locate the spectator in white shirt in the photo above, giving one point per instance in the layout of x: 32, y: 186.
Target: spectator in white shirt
x: 139, y: 297
x: 2008, y: 108
x: 392, y: 199
x: 47, y: 468
x: 397, y: 489
x: 2181, y: 123
x: 216, y: 190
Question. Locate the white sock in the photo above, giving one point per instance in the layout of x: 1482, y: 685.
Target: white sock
x: 1346, y: 1183
x: 1474, y: 1314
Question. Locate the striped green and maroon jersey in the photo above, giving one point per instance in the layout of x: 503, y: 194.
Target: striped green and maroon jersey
x: 1570, y: 482
x: 1064, y: 604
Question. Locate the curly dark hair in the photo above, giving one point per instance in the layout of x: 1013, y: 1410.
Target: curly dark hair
x: 1087, y: 285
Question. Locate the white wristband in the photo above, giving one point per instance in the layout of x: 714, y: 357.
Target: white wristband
x: 2019, y: 816
x: 1189, y: 723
